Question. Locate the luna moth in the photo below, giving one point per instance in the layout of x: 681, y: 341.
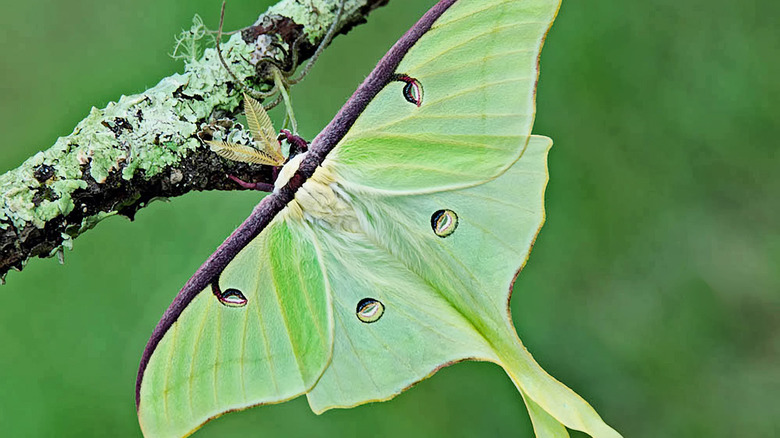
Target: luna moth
x: 388, y: 250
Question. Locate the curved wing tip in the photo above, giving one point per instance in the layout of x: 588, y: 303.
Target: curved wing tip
x: 543, y: 138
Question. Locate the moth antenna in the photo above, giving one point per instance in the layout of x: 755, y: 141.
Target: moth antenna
x: 243, y: 153
x: 321, y: 47
x: 262, y: 129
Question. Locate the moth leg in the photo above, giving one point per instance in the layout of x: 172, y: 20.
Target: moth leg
x: 259, y: 186
x: 297, y: 144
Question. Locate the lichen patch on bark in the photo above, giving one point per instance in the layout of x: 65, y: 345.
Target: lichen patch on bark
x: 149, y: 145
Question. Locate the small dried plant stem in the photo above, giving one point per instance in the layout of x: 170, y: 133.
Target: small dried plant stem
x: 325, y: 41
x: 280, y: 85
x: 254, y: 93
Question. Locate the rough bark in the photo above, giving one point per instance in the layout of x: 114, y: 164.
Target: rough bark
x: 149, y: 146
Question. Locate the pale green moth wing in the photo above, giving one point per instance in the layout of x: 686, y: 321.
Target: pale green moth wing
x: 399, y: 260
x: 221, y: 356
x: 476, y: 69
x: 442, y: 264
x: 396, y: 256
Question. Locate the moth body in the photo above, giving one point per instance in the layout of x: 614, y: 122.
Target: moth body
x: 319, y: 201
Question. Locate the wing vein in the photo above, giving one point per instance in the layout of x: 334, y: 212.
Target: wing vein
x: 285, y: 321
x: 217, y: 341
x: 194, y: 354
x: 168, y: 367
x: 428, y: 105
x: 495, y: 30
x: 479, y: 11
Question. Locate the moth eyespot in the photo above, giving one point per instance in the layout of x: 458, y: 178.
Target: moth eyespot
x: 413, y: 90
x: 233, y: 298
x: 369, y: 310
x: 444, y: 222
x: 230, y: 297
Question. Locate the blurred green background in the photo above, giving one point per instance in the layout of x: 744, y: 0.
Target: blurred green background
x: 653, y: 290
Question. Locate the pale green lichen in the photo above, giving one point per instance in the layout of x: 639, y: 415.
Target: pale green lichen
x: 147, y: 132
x: 67, y: 242
x: 144, y: 134
x: 315, y: 15
x: 187, y: 46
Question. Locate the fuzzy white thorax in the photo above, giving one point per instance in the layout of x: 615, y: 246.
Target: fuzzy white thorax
x: 319, y: 200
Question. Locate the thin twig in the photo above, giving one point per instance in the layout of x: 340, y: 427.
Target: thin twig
x: 259, y: 95
x: 325, y: 41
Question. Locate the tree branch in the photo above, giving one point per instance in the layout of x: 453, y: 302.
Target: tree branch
x: 149, y: 146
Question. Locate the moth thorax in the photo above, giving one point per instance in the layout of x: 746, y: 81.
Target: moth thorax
x: 320, y: 202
